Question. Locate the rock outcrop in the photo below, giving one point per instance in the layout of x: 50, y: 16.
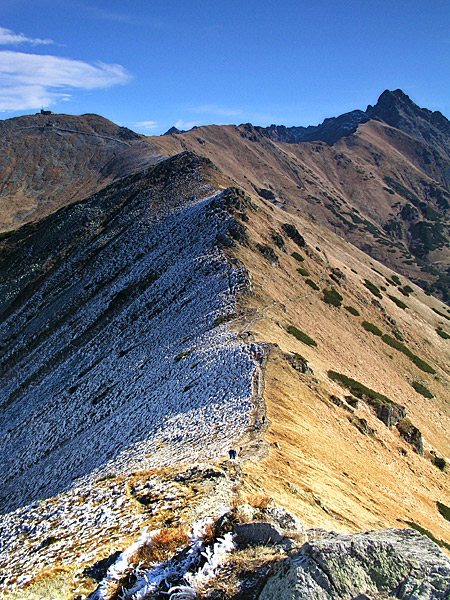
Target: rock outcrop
x: 387, y: 563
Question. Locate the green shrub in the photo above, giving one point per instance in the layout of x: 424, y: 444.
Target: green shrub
x: 442, y: 333
x: 441, y: 314
x: 359, y: 389
x: 440, y: 463
x: 311, y: 283
x: 352, y: 310
x: 408, y: 289
x: 444, y: 510
x: 421, y: 389
x: 373, y: 288
x: 398, y: 302
x: 298, y: 257
x: 301, y: 336
x: 396, y: 280
x: 303, y: 271
x: 403, y: 291
x: 402, y: 190
x: 423, y: 366
x: 332, y: 297
x: 372, y: 328
x: 183, y: 355
x: 223, y: 319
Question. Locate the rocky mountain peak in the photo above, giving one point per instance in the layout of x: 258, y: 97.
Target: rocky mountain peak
x: 398, y: 110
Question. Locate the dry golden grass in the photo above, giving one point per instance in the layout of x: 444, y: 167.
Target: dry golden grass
x: 364, y: 482
x: 239, y: 567
x: 161, y: 547
x: 259, y: 501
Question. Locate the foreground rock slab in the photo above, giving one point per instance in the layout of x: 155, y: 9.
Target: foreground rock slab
x: 396, y: 563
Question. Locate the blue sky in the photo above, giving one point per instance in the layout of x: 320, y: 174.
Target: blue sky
x: 149, y: 64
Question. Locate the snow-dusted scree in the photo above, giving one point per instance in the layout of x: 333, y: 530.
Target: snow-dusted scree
x: 112, y: 356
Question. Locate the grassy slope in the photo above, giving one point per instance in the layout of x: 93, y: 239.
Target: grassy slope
x: 364, y: 481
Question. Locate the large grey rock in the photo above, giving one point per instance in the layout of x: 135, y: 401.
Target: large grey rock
x: 399, y: 563
x: 285, y: 520
x: 391, y: 414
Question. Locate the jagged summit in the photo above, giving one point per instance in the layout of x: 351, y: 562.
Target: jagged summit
x: 399, y: 111
x: 173, y: 131
x: 394, y: 108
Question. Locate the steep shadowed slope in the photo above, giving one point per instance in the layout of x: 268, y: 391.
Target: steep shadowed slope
x: 108, y: 338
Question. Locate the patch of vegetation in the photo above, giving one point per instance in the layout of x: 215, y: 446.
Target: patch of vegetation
x: 398, y: 302
x: 352, y: 310
x: 332, y: 297
x: 440, y: 463
x: 402, y: 190
x: 359, y: 389
x: 298, y: 256
x: 444, y: 510
x: 223, y: 319
x: 311, y: 283
x: 408, y: 289
x: 427, y: 237
x: 424, y: 531
x: 301, y: 336
x: 403, y: 291
x: 372, y: 328
x: 423, y: 366
x: 441, y: 314
x: 355, y: 218
x: 303, y: 271
x: 373, y: 288
x: 396, y: 280
x: 421, y: 389
x: 442, y: 333
x: 183, y: 355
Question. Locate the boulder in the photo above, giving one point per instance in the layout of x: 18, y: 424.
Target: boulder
x: 391, y: 414
x: 395, y: 563
x: 268, y: 253
x: 285, y: 520
x: 292, y: 232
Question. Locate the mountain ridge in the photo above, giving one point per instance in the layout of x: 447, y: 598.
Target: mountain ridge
x: 198, y: 344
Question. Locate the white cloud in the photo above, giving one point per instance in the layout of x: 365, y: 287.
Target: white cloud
x: 8, y: 37
x: 180, y: 124
x: 146, y: 124
x: 29, y: 81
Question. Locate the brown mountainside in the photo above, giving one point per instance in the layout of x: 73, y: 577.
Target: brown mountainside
x: 48, y: 161
x: 383, y: 188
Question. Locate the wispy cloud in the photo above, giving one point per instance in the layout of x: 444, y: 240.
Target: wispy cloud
x: 9, y: 38
x: 104, y: 14
x: 214, y: 109
x: 146, y: 125
x: 30, y: 81
x: 180, y: 124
